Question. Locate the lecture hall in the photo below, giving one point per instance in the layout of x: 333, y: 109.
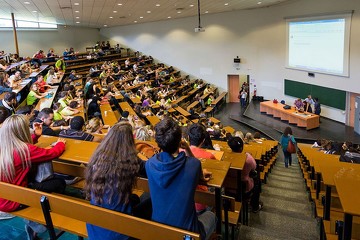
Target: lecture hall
x: 216, y: 119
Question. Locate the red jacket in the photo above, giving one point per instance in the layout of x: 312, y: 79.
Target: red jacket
x: 37, y: 155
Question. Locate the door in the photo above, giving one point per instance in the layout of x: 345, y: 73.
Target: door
x: 234, y: 84
x: 357, y: 115
x: 351, y: 109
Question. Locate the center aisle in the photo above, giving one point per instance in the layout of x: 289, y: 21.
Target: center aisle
x: 287, y: 211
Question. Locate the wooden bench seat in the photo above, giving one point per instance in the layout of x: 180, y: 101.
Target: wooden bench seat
x: 72, y: 215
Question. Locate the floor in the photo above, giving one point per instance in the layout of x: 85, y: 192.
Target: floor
x: 287, y: 212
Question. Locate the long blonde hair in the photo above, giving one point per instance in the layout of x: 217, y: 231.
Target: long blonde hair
x: 14, y: 135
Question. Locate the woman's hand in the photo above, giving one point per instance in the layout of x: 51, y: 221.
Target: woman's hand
x: 63, y: 140
x: 37, y: 128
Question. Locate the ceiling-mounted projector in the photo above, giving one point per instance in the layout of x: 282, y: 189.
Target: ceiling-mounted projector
x: 199, y: 29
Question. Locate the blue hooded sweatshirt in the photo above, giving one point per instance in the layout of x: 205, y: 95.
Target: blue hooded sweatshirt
x: 172, y: 183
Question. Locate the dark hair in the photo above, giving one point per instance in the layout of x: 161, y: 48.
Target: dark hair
x: 168, y: 135
x: 77, y: 123
x: 24, y: 110
x: 3, y: 114
x: 2, y: 78
x: 57, y: 106
x: 73, y: 104
x: 236, y: 144
x: 66, y: 87
x: 113, y: 168
x: 63, y: 94
x: 9, y: 96
x: 45, y: 112
x: 39, y: 76
x: 257, y: 135
x: 287, y: 131
x: 59, y: 123
x: 196, y: 134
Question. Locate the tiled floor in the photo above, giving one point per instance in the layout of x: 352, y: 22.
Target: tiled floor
x: 14, y: 229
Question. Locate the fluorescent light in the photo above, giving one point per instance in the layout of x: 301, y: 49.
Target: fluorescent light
x: 191, y: 5
x: 110, y: 17
x: 77, y: 17
x: 76, y: 4
x: 141, y: 17
x: 77, y: 11
x: 119, y: 4
x: 114, y: 11
x: 34, y: 11
x: 226, y: 4
x: 135, y: 21
x: 77, y: 22
x: 169, y: 16
x: 26, y: 2
x: 259, y: 3
x: 148, y: 11
x: 206, y: 11
x: 179, y: 12
x: 105, y: 25
x: 157, y: 5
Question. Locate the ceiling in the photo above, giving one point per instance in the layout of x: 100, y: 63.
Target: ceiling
x: 107, y: 13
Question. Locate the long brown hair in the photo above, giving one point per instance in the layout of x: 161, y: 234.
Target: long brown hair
x: 113, y: 167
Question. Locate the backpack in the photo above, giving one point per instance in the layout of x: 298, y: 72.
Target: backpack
x: 146, y: 149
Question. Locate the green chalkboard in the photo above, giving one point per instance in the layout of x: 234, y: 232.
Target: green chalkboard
x: 327, y: 96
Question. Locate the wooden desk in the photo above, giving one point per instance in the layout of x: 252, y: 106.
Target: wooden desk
x: 153, y: 120
x: 125, y: 106
x: 306, y: 119
x: 192, y: 105
x: 15, y: 65
x: 108, y: 114
x: 219, y: 98
x: 81, y: 152
x: 182, y: 111
x: 219, y: 170
x: 41, y: 68
x: 347, y: 183
x: 47, y: 102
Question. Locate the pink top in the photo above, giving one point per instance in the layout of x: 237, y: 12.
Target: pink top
x: 250, y: 164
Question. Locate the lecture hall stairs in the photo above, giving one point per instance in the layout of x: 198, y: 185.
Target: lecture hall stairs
x: 287, y: 212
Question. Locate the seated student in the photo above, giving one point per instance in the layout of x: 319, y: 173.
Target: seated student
x: 3, y: 115
x: 95, y: 125
x: 3, y: 65
x: 25, y: 69
x: 33, y: 95
x: 252, y: 184
x: 173, y: 177
x: 94, y: 108
x: 210, y: 100
x: 111, y: 176
x: 75, y: 131
x: 249, y: 138
x: 4, y: 87
x: 15, y: 79
x: 46, y: 117
x: 28, y: 111
x: 17, y: 156
x: 50, y: 77
x: 197, y: 134
x: 9, y: 102
x: 42, y: 86
x: 63, y: 99
x: 72, y: 76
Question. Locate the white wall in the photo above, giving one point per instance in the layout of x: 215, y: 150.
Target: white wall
x: 31, y: 41
x: 258, y: 37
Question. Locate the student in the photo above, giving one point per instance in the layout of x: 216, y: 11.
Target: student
x: 252, y: 183
x: 46, y: 117
x: 197, y: 134
x: 42, y: 86
x: 3, y: 86
x: 18, y: 154
x: 317, y: 106
x: 76, y: 131
x: 284, y: 141
x: 3, y: 115
x: 33, y: 95
x: 60, y: 65
x: 9, y: 102
x: 173, y: 177
x: 111, y: 176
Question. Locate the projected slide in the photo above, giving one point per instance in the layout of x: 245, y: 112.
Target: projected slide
x: 319, y: 45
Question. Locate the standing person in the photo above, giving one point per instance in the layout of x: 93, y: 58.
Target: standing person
x: 243, y: 97
x: 309, y: 101
x: 317, y: 106
x: 173, y: 177
x: 111, y: 176
x: 284, y: 141
x: 17, y: 156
